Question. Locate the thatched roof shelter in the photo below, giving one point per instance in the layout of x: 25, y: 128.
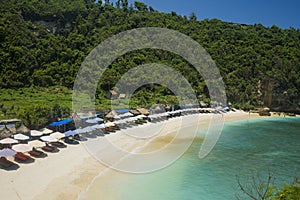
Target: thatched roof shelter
x: 5, y: 132
x: 23, y: 129
x: 143, y: 111
x: 135, y: 112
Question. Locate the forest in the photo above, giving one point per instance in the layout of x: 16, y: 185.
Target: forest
x: 44, y: 42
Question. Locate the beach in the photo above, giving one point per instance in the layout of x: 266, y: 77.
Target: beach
x: 71, y: 172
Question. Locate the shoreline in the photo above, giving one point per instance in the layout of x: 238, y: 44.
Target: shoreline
x: 72, y: 171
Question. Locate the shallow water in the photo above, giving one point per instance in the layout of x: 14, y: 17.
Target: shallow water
x: 245, y: 147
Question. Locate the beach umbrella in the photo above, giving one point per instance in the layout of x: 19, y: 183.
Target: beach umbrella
x: 48, y: 139
x: 100, y: 126
x: 36, y: 143
x: 23, y: 129
x: 7, y: 152
x: 70, y: 133
x: 99, y: 119
x: 89, y: 129
x: 58, y: 135
x: 46, y: 131
x: 22, y: 148
x: 36, y: 133
x: 80, y: 130
x: 108, y: 124
x: 117, y: 117
x: 91, y: 121
x: 21, y: 137
x: 8, y: 141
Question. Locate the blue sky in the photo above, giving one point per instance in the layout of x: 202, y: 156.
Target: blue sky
x: 283, y: 13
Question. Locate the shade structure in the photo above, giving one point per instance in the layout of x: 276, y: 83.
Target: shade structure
x: 143, y: 111
x: 48, y: 139
x: 126, y: 115
x: 89, y: 129
x: 58, y: 135
x: 22, y: 148
x: 5, y: 132
x: 117, y: 117
x: 9, y: 121
x: 91, y: 121
x: 46, y: 131
x: 23, y: 129
x: 108, y: 124
x: 70, y: 133
x: 61, y: 122
x: 99, y: 126
x: 6, y: 152
x: 21, y: 137
x: 80, y: 130
x: 36, y: 133
x: 8, y: 141
x: 99, y: 119
x: 36, y: 143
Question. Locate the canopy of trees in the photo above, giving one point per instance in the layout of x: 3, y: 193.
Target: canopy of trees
x: 43, y: 43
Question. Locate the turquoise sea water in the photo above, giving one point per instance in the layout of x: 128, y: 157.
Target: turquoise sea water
x: 245, y: 147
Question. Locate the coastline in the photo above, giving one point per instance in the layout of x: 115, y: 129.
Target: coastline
x: 72, y: 171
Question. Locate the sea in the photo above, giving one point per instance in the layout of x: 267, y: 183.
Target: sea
x: 248, y: 151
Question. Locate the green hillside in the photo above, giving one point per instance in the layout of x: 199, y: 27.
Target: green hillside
x: 43, y: 43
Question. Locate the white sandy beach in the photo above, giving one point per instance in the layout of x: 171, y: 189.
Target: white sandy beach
x: 71, y: 171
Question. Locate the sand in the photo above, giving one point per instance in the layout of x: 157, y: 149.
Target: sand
x: 72, y: 171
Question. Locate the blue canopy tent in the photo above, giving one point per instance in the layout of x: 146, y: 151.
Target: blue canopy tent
x: 122, y: 111
x: 61, y: 123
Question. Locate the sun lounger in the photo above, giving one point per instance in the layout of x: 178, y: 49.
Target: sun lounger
x: 22, y: 157
x: 70, y: 141
x: 4, y: 163
x: 37, y: 153
x: 58, y: 144
x: 48, y: 148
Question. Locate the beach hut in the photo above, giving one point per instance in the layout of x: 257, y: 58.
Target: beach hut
x: 23, y: 129
x: 5, y: 132
x: 143, y: 111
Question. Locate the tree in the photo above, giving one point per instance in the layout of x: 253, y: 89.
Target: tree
x: 140, y: 6
x: 193, y: 16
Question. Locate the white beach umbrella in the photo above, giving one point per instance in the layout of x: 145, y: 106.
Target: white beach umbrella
x: 36, y: 133
x: 91, y: 121
x: 99, y: 119
x: 21, y: 137
x: 108, y: 124
x: 36, y: 143
x: 22, y: 148
x: 46, y: 131
x: 58, y: 135
x: 48, y: 139
x: 8, y: 141
x: 7, y: 152
x: 70, y: 133
x: 80, y: 130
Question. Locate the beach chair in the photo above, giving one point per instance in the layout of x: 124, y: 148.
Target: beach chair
x: 36, y: 153
x: 58, y: 144
x: 49, y: 148
x: 22, y: 157
x: 70, y: 141
x: 4, y: 163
